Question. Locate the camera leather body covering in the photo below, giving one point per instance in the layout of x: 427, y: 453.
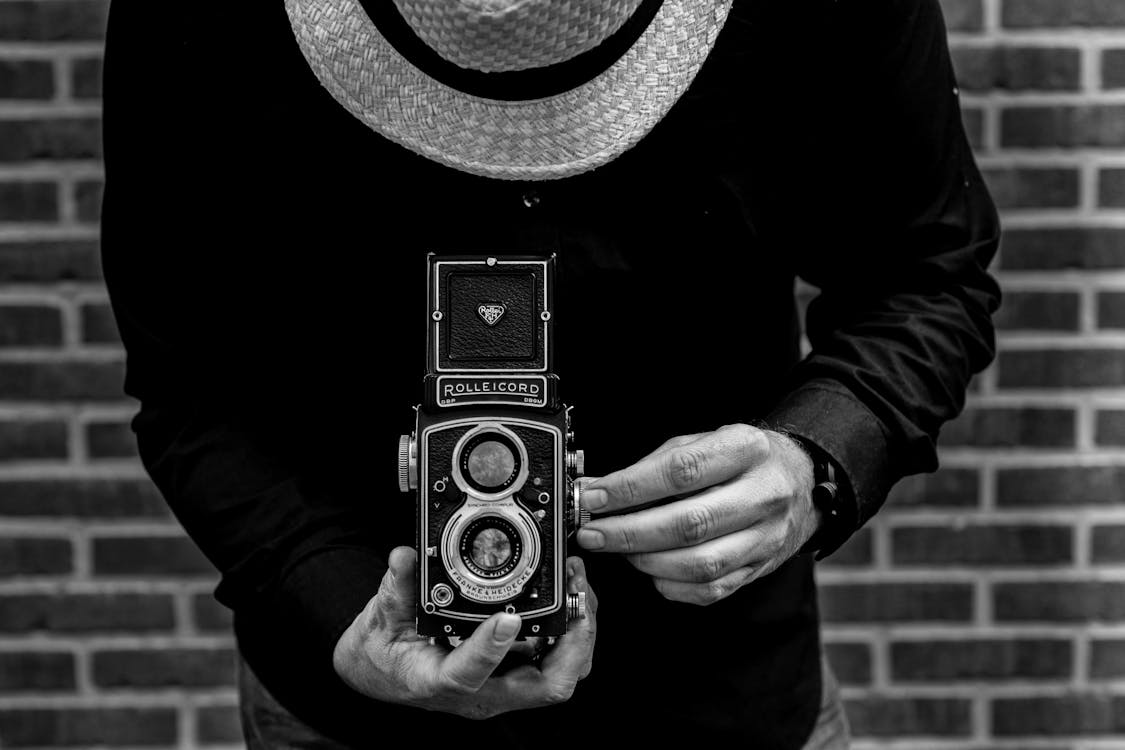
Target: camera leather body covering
x: 491, y: 460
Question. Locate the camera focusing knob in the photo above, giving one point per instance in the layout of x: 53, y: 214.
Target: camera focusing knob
x: 576, y: 462
x: 579, y: 516
x: 407, y: 463
x: 576, y: 606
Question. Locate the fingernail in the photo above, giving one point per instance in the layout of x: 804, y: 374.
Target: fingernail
x: 506, y: 628
x: 591, y: 539
x: 594, y: 500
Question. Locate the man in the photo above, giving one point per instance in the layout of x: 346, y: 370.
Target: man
x: 276, y: 173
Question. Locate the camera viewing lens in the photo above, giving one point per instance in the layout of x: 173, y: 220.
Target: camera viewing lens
x: 491, y: 463
x: 491, y: 548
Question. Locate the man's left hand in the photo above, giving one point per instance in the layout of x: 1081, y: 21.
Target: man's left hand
x: 741, y: 506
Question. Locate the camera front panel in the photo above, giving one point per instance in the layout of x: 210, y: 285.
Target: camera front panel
x: 492, y: 505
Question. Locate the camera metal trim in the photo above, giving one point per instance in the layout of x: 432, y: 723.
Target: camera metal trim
x: 481, y: 589
x: 465, y: 486
x: 558, y: 522
x: 437, y: 314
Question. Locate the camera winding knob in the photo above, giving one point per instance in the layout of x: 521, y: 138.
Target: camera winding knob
x: 576, y: 462
x: 407, y: 463
x: 576, y: 606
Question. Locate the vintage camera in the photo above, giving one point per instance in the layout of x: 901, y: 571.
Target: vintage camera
x: 491, y: 457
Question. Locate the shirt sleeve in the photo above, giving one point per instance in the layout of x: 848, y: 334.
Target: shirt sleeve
x: 216, y: 426
x: 903, y: 319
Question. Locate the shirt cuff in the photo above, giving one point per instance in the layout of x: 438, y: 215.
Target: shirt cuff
x: 322, y: 592
x: 826, y: 414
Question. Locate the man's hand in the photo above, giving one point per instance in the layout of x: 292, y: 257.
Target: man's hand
x: 382, y: 656
x: 743, y: 506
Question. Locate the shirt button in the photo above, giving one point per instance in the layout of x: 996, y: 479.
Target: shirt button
x: 531, y: 199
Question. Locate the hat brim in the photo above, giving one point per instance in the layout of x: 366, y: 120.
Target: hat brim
x: 540, y: 139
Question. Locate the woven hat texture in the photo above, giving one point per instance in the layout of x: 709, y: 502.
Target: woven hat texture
x: 546, y: 138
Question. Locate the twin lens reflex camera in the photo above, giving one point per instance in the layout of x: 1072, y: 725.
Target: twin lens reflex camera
x: 491, y: 459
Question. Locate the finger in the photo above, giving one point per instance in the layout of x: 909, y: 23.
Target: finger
x: 466, y: 667
x: 713, y: 458
x: 704, y: 594
x: 710, y: 560
x: 711, y: 514
x: 675, y: 442
x: 393, y: 608
x: 572, y: 657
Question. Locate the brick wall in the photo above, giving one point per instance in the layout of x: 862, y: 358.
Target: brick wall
x: 985, y: 608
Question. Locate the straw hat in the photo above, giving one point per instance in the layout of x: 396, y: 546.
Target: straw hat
x: 512, y: 89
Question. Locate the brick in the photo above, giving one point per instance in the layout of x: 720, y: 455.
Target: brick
x: 110, y: 440
x: 30, y: 439
x: 1061, y: 368
x: 30, y: 326
x: 98, y: 324
x: 37, y: 670
x: 82, y: 498
x: 1090, y: 126
x: 1018, y: 68
x: 980, y: 659
x: 35, y: 556
x: 1060, y: 601
x: 896, y: 602
x: 858, y: 550
x: 1107, y: 544
x: 947, y: 488
x: 973, y: 120
x: 1110, y: 427
x: 74, y: 380
x: 209, y: 615
x: 56, y: 139
x: 1065, y: 486
x: 53, y: 20
x: 86, y: 78
x: 1024, y: 14
x: 88, y: 201
x: 50, y: 260
x: 1058, y: 249
x: 1028, y: 187
x: 165, y: 667
x: 1076, y: 714
x: 982, y: 545
x: 1107, y: 659
x: 218, y: 725
x: 149, y: 556
x: 1113, y: 69
x: 1111, y: 188
x: 1111, y: 310
x: 1038, y: 311
x: 85, y: 613
x: 1011, y: 427
x: 963, y: 15
x: 70, y: 727
x: 27, y: 79
x: 894, y: 718
x: 28, y: 201
x: 851, y: 662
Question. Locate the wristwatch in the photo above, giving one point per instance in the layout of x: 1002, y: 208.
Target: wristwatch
x: 832, y: 496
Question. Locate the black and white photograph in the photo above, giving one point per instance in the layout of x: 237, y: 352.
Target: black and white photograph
x: 562, y: 373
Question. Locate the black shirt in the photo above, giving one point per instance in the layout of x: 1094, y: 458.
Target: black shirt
x: 263, y: 250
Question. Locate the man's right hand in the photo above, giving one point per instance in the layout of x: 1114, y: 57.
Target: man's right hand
x: 382, y: 656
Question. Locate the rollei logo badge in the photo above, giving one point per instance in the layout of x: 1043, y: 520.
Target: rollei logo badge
x: 490, y: 312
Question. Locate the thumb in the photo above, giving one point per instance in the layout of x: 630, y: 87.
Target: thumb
x: 394, y: 604
x: 471, y: 663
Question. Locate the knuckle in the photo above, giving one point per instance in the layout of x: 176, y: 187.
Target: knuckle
x: 559, y: 693
x: 712, y: 592
x: 750, y: 442
x: 707, y: 567
x: 628, y: 539
x: 685, y: 468
x: 630, y: 488
x: 696, y: 524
